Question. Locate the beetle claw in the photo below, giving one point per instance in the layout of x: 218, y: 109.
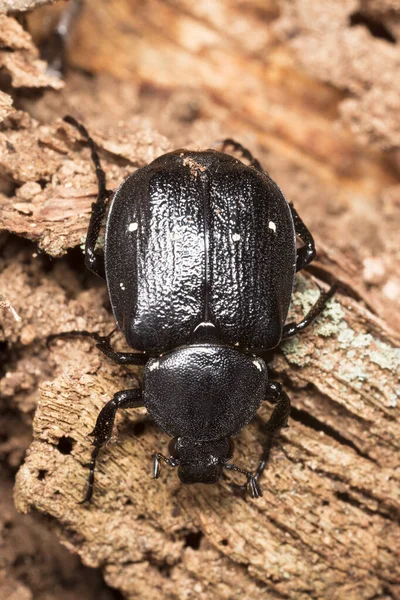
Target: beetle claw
x: 156, y: 466
x: 254, y: 487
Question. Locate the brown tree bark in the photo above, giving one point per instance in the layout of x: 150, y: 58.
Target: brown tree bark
x: 313, y: 92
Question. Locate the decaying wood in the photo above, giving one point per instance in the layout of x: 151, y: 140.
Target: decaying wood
x: 184, y: 74
x: 21, y: 6
x: 330, y: 494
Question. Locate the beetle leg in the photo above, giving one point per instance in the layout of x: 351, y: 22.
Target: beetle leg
x: 252, y: 486
x: 244, y: 152
x: 103, y: 428
x: 306, y: 253
x: 93, y: 259
x: 291, y: 329
x: 277, y: 421
x: 121, y: 358
x: 104, y: 345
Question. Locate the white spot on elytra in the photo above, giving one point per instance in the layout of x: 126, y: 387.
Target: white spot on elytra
x: 236, y: 237
x: 133, y: 226
x: 175, y: 236
x: 272, y: 226
x: 121, y: 285
x: 155, y: 365
x: 257, y: 364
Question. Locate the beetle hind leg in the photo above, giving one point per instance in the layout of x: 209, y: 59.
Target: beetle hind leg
x: 229, y: 142
x: 291, y: 329
x: 277, y: 421
x: 94, y: 259
x: 103, y: 428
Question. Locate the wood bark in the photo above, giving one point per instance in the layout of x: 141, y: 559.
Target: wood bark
x: 314, y: 94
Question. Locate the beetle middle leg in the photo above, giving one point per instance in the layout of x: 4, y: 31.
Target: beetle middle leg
x: 94, y: 259
x: 104, y: 345
x: 291, y: 329
x: 243, y: 151
x: 104, y: 425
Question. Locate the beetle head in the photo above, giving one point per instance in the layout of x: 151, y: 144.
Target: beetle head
x: 199, y: 462
x: 203, y: 462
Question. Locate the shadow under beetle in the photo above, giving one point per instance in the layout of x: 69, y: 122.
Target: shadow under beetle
x: 200, y: 260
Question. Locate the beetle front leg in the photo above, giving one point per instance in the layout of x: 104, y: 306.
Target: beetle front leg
x: 291, y: 329
x: 94, y: 260
x: 277, y: 421
x: 104, y: 425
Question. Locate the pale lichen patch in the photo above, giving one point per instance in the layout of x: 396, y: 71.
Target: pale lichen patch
x: 296, y: 352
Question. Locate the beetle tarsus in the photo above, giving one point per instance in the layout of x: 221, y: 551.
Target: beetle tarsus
x: 157, y: 458
x: 277, y: 421
x: 244, y: 152
x: 104, y: 425
x: 92, y: 467
x: 254, y: 488
x: 104, y: 345
x: 156, y: 466
x: 291, y: 329
x: 93, y: 258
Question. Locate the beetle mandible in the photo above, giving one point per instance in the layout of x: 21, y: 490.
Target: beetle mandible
x: 200, y: 260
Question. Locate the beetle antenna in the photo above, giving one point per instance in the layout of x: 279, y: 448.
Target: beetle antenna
x: 171, y: 461
x: 253, y: 486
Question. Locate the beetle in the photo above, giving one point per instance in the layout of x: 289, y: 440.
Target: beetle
x: 200, y: 260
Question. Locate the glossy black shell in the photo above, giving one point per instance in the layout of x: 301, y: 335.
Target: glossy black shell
x: 194, y: 237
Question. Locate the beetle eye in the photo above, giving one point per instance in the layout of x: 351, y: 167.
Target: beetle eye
x: 231, y: 448
x: 172, y: 448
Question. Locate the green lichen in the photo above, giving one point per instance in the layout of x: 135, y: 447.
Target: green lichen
x: 385, y: 356
x: 306, y: 299
x: 362, y: 340
x: 296, y: 352
x: 331, y: 320
x: 361, y: 349
x: 345, y: 338
x: 354, y: 371
x: 393, y: 399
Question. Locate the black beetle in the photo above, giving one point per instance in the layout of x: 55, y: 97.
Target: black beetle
x: 200, y: 260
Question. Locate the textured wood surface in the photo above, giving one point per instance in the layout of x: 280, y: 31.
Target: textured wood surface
x: 315, y: 98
